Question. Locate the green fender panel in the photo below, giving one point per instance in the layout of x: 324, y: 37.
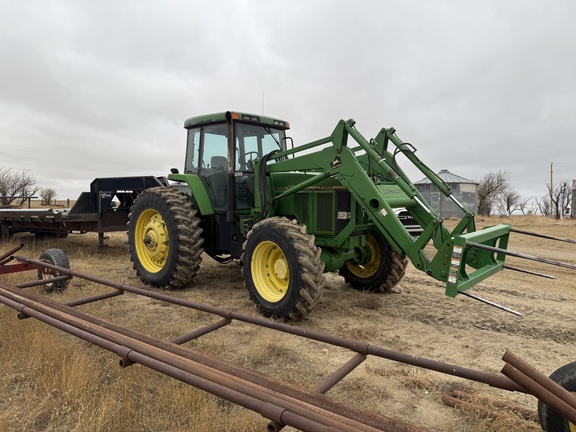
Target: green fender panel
x: 198, y: 191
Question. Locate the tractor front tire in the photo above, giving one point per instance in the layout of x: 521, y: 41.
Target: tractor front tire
x: 384, y: 269
x: 550, y: 420
x: 282, y: 269
x: 165, y: 239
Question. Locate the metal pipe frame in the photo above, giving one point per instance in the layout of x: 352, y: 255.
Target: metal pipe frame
x: 282, y: 403
x: 305, y: 410
x: 493, y: 380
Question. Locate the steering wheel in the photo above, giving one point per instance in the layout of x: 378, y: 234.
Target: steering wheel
x: 249, y: 162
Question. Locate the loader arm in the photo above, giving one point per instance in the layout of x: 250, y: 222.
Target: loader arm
x: 374, y: 179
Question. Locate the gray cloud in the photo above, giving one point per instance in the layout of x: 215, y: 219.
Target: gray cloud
x: 93, y: 89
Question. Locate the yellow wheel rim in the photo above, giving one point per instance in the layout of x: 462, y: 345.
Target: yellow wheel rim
x: 151, y: 240
x: 270, y: 271
x: 371, y: 267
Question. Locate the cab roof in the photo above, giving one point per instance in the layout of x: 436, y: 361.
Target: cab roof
x: 236, y: 115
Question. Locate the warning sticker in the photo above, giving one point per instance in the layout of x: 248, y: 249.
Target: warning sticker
x: 457, y: 253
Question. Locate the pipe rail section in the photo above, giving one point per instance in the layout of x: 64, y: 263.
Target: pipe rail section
x: 281, y: 403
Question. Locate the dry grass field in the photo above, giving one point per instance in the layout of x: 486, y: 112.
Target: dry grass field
x: 51, y: 381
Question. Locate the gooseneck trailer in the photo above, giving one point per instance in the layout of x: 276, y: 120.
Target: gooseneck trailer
x: 103, y: 209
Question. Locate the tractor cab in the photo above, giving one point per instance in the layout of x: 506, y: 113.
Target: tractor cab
x: 219, y: 173
x: 222, y: 149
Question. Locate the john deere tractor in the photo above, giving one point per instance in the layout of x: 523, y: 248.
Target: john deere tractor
x: 289, y: 214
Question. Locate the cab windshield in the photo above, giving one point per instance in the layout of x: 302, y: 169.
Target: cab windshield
x: 207, y: 148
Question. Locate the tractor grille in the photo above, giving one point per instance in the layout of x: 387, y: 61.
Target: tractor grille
x: 325, y: 206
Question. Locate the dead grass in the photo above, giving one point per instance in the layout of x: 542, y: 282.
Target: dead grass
x: 53, y: 382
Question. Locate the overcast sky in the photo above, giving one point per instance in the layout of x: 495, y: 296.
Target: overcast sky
x: 102, y: 88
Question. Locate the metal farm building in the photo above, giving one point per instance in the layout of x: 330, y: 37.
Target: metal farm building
x: 464, y: 190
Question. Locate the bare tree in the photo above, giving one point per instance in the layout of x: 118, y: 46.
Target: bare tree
x: 47, y: 195
x: 543, y: 205
x: 490, y: 187
x: 14, y: 184
x: 510, y: 201
x: 561, y: 198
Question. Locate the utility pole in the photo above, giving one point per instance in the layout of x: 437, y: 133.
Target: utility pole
x: 573, y: 213
x: 551, y: 187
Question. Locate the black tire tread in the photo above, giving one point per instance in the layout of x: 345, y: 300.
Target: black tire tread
x: 396, y: 263
x: 188, y: 241
x: 308, y: 260
x: 399, y: 265
x: 58, y: 258
x: 550, y: 420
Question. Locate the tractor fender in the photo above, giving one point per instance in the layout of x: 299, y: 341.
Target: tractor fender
x: 196, y: 189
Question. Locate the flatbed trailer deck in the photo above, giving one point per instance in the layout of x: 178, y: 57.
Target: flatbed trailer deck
x: 94, y: 211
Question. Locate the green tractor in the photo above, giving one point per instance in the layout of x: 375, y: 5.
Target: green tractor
x: 289, y: 214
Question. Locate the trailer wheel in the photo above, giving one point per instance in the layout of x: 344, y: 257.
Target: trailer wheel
x: 384, y: 269
x: 282, y: 269
x: 58, y: 258
x: 550, y: 420
x: 164, y: 236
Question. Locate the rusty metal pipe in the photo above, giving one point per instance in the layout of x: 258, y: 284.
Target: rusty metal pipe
x: 376, y: 421
x: 337, y: 376
x: 92, y: 299
x: 171, y: 360
x: 6, y: 256
x: 43, y: 281
x: 82, y: 329
x: 546, y: 396
x: 493, y: 380
x: 265, y: 408
x: 201, y: 331
x: 225, y: 313
x: 329, y: 382
x: 540, y: 378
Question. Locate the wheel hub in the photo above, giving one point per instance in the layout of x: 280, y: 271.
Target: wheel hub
x: 372, y: 257
x: 270, y: 271
x: 281, y: 269
x: 152, y: 240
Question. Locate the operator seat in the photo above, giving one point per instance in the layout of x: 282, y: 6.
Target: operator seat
x: 219, y: 163
x: 217, y: 183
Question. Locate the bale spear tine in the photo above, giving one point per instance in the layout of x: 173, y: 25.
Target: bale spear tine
x: 529, y: 272
x: 521, y: 255
x: 542, y: 236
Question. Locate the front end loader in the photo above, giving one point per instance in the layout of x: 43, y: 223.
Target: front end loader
x: 289, y: 214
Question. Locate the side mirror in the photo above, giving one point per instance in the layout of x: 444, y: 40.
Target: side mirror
x: 174, y: 170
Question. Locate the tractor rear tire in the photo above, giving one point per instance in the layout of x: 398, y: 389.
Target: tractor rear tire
x: 165, y: 238
x: 282, y: 269
x: 550, y: 420
x: 382, y: 272
x: 58, y: 258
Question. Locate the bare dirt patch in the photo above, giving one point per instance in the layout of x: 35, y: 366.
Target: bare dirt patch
x: 416, y: 318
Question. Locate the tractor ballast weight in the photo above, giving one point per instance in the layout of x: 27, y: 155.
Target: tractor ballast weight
x: 290, y: 214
